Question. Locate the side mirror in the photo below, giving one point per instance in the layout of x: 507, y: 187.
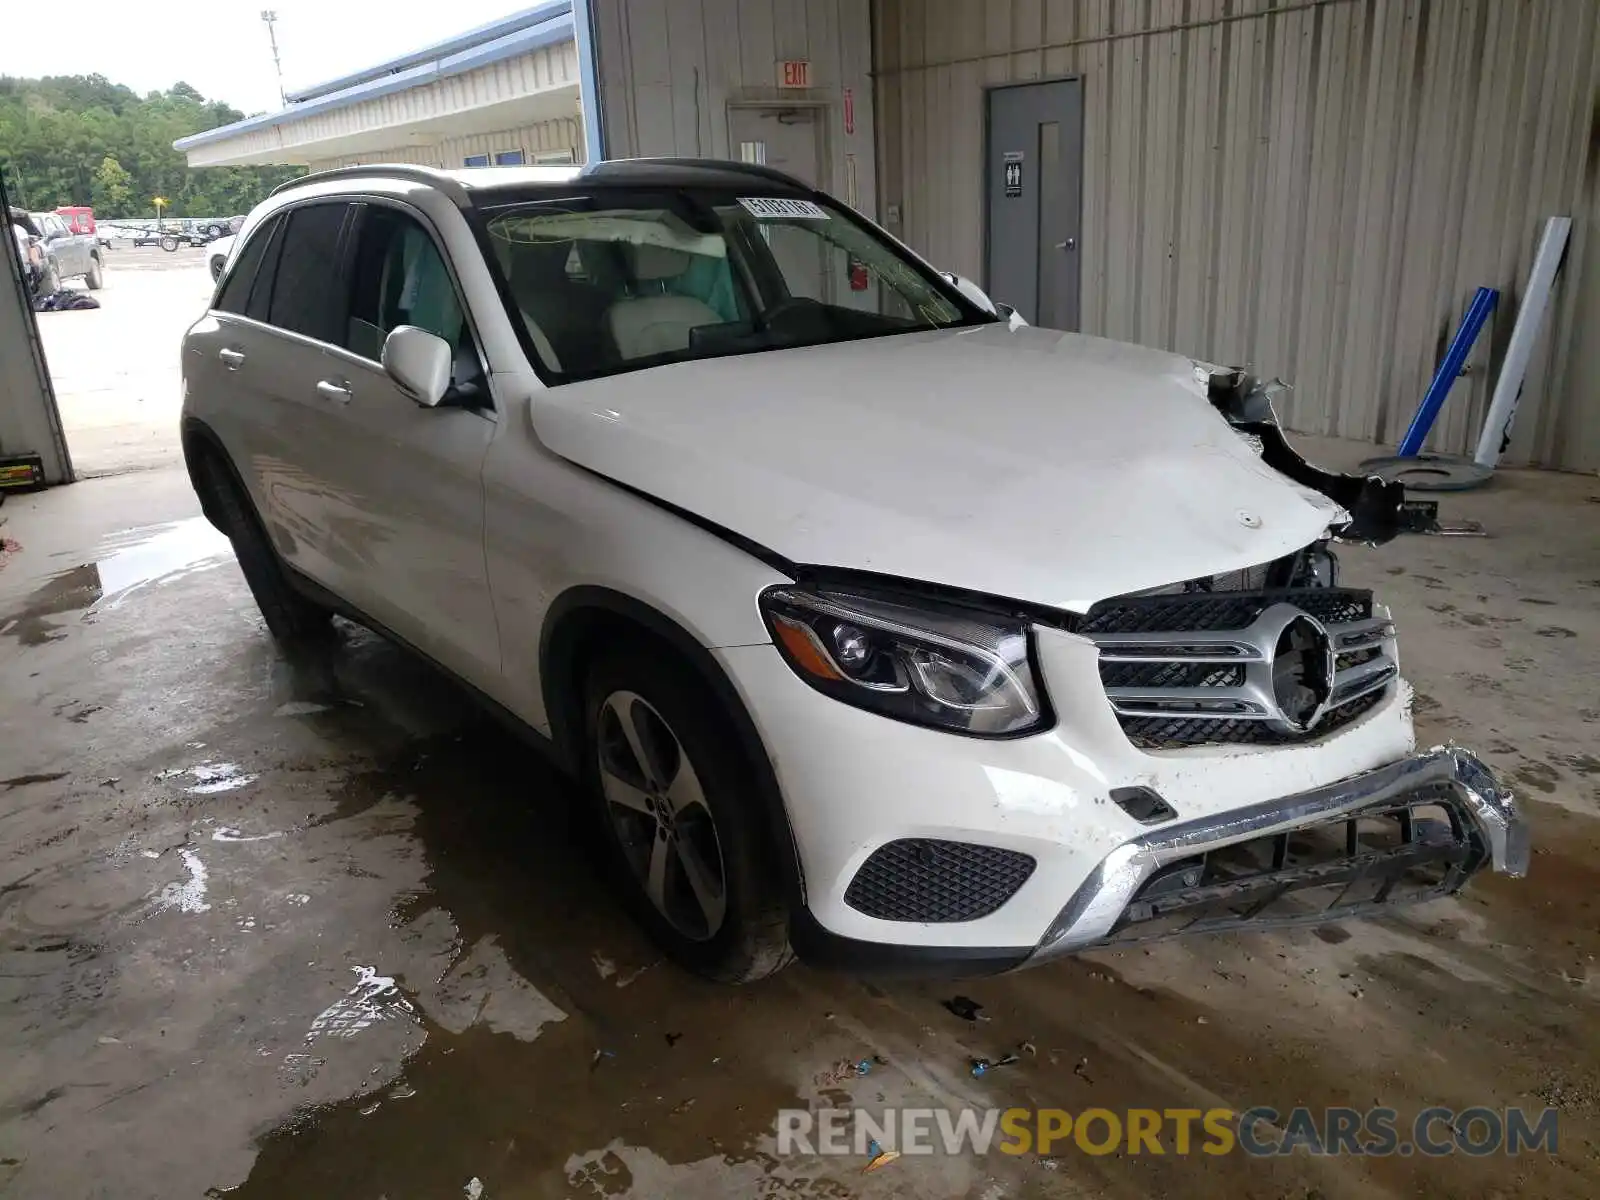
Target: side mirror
x: 419, y: 362
x: 971, y: 291
x: 1010, y: 315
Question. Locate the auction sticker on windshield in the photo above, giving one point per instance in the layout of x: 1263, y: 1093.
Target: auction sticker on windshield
x: 768, y: 206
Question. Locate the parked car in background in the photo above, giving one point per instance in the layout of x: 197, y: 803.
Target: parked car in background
x: 71, y: 255
x: 79, y: 218
x: 215, y: 227
x: 30, y: 249
x: 217, y: 255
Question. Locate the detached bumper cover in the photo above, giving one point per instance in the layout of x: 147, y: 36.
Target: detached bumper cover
x: 1403, y: 833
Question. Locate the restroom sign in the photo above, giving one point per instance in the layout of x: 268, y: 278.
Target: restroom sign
x: 794, y: 73
x: 1013, y: 173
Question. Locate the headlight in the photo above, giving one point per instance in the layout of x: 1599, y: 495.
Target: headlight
x: 948, y: 668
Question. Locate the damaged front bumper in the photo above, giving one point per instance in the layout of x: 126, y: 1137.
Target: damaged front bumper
x: 1411, y: 831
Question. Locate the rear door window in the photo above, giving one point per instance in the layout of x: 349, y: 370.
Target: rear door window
x: 307, y: 291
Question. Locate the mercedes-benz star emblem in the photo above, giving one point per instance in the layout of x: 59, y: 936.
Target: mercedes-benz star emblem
x: 1302, y: 671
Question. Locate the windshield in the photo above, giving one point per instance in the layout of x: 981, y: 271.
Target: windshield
x: 609, y: 283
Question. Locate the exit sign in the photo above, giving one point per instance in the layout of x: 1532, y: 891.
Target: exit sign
x: 794, y: 73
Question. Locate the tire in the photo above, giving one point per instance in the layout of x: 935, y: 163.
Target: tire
x: 293, y: 620
x: 96, y: 278
x: 637, y: 695
x: 49, y: 280
x: 217, y: 263
x: 168, y: 242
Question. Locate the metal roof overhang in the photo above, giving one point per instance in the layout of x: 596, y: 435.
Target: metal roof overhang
x: 402, y: 105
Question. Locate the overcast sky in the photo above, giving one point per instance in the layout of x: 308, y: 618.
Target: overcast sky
x: 220, y: 46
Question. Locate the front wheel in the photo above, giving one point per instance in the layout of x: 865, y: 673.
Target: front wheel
x: 96, y: 277
x: 169, y: 243
x: 680, y: 817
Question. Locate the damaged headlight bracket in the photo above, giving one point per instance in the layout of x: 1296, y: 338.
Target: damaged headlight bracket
x: 1376, y: 506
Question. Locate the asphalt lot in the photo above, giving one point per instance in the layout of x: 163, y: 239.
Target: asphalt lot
x: 115, y: 368
x: 313, y: 930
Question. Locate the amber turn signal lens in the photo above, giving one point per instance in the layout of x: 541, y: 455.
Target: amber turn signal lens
x: 800, y: 642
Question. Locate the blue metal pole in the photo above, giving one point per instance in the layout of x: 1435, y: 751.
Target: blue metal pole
x: 594, y: 129
x: 1460, y: 346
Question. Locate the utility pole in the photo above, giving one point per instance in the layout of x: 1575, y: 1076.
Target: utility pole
x: 270, y: 17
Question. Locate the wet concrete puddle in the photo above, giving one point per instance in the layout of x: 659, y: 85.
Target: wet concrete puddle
x: 378, y: 932
x: 123, y: 564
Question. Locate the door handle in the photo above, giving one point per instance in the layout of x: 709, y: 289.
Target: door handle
x: 336, y: 390
x: 231, y: 359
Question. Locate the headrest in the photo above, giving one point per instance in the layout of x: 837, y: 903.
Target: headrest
x: 656, y: 262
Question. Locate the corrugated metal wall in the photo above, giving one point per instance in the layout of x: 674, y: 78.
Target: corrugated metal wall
x: 1312, y: 186
x: 669, y: 69
x: 564, y: 134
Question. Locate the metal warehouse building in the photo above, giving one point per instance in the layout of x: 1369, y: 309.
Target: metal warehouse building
x: 1314, y: 187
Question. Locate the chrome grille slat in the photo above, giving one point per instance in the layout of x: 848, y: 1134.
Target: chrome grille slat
x: 1184, y: 702
x: 1354, y: 682
x: 1190, y: 668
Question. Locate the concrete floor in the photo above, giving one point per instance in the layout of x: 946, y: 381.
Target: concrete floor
x: 213, y: 864
x: 115, y: 368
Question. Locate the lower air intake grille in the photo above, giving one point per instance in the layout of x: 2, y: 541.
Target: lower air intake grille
x: 924, y: 879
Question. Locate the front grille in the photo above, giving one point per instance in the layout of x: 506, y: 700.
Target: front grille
x: 928, y: 880
x: 1197, y: 667
x: 1155, y: 732
x: 1222, y: 610
x: 1171, y: 674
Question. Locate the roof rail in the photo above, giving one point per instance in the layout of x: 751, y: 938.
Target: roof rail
x: 429, y: 175
x: 760, y: 170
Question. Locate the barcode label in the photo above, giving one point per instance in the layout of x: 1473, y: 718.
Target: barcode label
x: 767, y: 206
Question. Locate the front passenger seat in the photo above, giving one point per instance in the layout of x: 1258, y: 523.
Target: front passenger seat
x: 645, y: 324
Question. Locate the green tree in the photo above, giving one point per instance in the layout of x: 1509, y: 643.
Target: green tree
x: 111, y: 189
x: 58, y: 134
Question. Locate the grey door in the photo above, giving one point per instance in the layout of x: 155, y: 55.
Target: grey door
x: 1034, y: 199
x: 787, y: 139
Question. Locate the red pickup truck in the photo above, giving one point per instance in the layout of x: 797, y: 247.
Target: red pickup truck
x: 80, y: 219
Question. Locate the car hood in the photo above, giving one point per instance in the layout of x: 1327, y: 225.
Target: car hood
x: 1054, y: 468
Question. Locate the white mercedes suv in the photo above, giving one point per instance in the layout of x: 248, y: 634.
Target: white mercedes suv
x: 879, y: 626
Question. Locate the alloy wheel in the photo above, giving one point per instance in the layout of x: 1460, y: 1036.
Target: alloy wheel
x: 658, y: 810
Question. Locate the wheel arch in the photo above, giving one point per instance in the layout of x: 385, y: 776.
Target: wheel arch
x: 585, y: 618
x: 200, y: 441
